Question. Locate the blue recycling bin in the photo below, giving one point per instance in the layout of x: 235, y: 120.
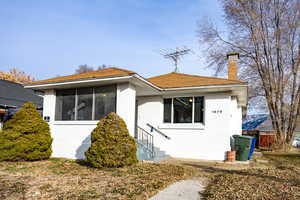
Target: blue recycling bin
x: 252, y: 147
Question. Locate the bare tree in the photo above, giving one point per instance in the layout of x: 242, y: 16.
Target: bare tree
x: 267, y: 35
x: 17, y: 76
x: 100, y: 67
x: 86, y: 68
x: 83, y: 69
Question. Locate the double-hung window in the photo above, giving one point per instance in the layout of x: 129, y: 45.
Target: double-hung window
x: 184, y: 110
x: 90, y: 103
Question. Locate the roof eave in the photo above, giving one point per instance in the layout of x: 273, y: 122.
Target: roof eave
x: 239, y: 90
x: 207, y: 86
x: 7, y: 106
x: 43, y: 86
x: 147, y: 82
x: 124, y: 78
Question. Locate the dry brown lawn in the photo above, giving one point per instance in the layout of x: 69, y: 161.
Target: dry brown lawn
x: 68, y: 179
x: 277, y: 179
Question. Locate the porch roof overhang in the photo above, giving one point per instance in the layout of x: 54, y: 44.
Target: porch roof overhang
x: 143, y: 86
x: 79, y: 83
x: 146, y: 88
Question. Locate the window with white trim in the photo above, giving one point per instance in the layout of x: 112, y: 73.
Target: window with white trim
x: 184, y: 110
x: 90, y: 103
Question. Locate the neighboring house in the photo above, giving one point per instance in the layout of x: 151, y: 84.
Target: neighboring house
x: 261, y: 127
x: 177, y: 114
x: 13, y: 96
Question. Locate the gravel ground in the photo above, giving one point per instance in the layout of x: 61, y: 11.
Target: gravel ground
x: 183, y: 190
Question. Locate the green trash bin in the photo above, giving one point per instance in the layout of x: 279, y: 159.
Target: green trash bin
x: 242, y: 145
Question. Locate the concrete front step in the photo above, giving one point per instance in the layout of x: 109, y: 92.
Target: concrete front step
x: 144, y: 154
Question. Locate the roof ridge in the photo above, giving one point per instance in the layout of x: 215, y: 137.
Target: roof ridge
x: 90, y: 74
x: 124, y: 70
x: 208, y: 77
x: 218, y: 78
x: 160, y: 75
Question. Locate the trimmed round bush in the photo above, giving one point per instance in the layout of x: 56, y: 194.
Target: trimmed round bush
x: 26, y: 137
x: 111, y: 146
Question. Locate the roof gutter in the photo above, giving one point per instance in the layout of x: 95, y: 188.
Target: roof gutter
x: 45, y: 85
x: 208, y: 86
x: 7, y: 106
x: 188, y: 88
x: 147, y: 82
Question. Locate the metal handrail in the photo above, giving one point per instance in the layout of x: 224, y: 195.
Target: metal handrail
x: 164, y: 135
x: 145, y: 139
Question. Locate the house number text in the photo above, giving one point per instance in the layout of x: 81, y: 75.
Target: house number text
x: 217, y: 111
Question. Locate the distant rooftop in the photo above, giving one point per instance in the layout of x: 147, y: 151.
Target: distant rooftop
x: 262, y: 122
x: 15, y: 95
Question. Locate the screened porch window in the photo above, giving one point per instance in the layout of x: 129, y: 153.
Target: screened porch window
x: 105, y: 101
x: 184, y: 110
x: 90, y: 103
x: 65, y: 104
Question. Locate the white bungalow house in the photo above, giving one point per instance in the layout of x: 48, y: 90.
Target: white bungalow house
x: 177, y: 114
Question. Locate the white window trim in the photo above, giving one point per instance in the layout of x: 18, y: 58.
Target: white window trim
x: 93, y: 104
x: 76, y: 105
x: 77, y: 122
x: 193, y: 123
x: 172, y: 111
x: 183, y: 126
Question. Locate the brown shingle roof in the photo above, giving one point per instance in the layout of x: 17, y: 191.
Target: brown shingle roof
x: 177, y: 80
x: 170, y: 80
x: 108, y: 72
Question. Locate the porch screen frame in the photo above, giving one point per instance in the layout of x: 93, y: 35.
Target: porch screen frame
x: 114, y: 86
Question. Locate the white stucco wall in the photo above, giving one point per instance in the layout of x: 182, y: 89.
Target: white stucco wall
x: 126, y: 97
x: 236, y: 117
x: 200, y: 141
x: 49, y: 105
x: 72, y: 138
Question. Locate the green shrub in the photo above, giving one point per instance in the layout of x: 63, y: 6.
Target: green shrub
x: 26, y: 136
x: 111, y: 146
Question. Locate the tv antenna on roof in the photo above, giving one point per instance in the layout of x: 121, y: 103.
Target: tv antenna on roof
x: 175, y: 55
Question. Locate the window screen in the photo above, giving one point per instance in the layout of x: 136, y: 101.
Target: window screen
x: 65, y: 104
x: 167, y: 110
x: 105, y: 101
x: 183, y: 108
x: 84, y: 103
x: 91, y: 103
x: 199, y: 106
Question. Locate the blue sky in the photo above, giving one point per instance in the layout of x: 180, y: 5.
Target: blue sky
x: 50, y: 38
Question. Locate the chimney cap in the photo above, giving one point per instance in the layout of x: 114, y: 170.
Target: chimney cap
x: 233, y: 54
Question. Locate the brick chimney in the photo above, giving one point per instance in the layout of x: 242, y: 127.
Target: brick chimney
x: 233, y: 65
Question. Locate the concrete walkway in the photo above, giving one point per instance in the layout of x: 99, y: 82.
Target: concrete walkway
x: 183, y: 190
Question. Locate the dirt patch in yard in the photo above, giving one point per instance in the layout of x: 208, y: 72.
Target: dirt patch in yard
x: 67, y: 179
